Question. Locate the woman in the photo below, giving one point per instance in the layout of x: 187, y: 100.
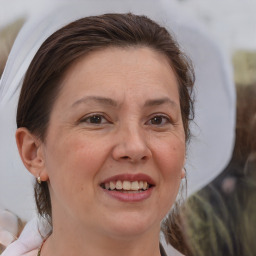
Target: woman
x: 214, y: 121
x: 102, y: 125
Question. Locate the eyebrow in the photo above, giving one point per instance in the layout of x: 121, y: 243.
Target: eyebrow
x: 112, y: 103
x: 161, y: 101
x: 98, y: 99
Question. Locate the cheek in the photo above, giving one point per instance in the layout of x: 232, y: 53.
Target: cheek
x: 73, y: 161
x: 172, y: 163
x: 170, y: 160
x: 170, y: 156
x: 73, y: 164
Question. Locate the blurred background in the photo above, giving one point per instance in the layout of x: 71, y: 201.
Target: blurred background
x: 232, y: 23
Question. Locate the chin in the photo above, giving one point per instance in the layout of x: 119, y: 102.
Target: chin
x: 133, y: 224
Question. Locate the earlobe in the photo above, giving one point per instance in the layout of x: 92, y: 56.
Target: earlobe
x: 183, y: 173
x: 31, y: 153
x: 183, y: 170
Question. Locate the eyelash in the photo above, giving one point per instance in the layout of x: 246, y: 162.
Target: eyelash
x: 167, y: 120
x: 99, y: 116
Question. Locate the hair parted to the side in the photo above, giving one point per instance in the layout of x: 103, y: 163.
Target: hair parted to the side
x: 43, y: 78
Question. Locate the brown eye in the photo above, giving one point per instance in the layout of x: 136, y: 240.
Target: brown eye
x: 95, y: 119
x: 159, y: 120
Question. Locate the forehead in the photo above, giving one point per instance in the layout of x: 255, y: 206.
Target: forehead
x: 115, y: 70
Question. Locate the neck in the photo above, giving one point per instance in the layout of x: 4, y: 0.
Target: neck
x: 66, y: 242
x: 73, y: 240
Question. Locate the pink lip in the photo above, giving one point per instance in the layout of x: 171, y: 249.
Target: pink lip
x: 129, y: 197
x: 126, y: 196
x: 131, y: 177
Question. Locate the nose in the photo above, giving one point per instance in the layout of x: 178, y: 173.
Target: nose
x: 131, y: 145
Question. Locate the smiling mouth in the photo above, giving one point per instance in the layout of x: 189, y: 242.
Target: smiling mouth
x: 126, y: 186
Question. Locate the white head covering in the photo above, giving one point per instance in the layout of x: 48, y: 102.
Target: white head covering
x: 214, y: 126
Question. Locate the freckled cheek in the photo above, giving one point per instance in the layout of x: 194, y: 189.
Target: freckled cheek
x: 170, y: 163
x: 84, y: 157
x: 72, y: 157
x: 170, y: 158
x: 73, y: 171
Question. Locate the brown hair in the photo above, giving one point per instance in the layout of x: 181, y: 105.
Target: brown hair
x: 42, y: 81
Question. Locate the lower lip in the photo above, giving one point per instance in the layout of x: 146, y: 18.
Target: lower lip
x: 129, y: 197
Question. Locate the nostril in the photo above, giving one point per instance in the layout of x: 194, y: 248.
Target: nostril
x: 130, y: 152
x: 133, y: 159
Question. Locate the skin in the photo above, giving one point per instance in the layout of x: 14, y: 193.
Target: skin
x: 77, y: 155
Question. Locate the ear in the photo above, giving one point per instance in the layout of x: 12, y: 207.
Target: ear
x: 31, y: 153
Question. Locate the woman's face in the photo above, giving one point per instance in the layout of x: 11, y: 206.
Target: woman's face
x: 115, y: 145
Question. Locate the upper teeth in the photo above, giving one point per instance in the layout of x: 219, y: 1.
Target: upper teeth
x: 126, y: 185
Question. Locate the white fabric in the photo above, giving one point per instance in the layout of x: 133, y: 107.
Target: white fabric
x: 8, y: 227
x: 214, y: 128
x: 9, y: 222
x: 30, y: 239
